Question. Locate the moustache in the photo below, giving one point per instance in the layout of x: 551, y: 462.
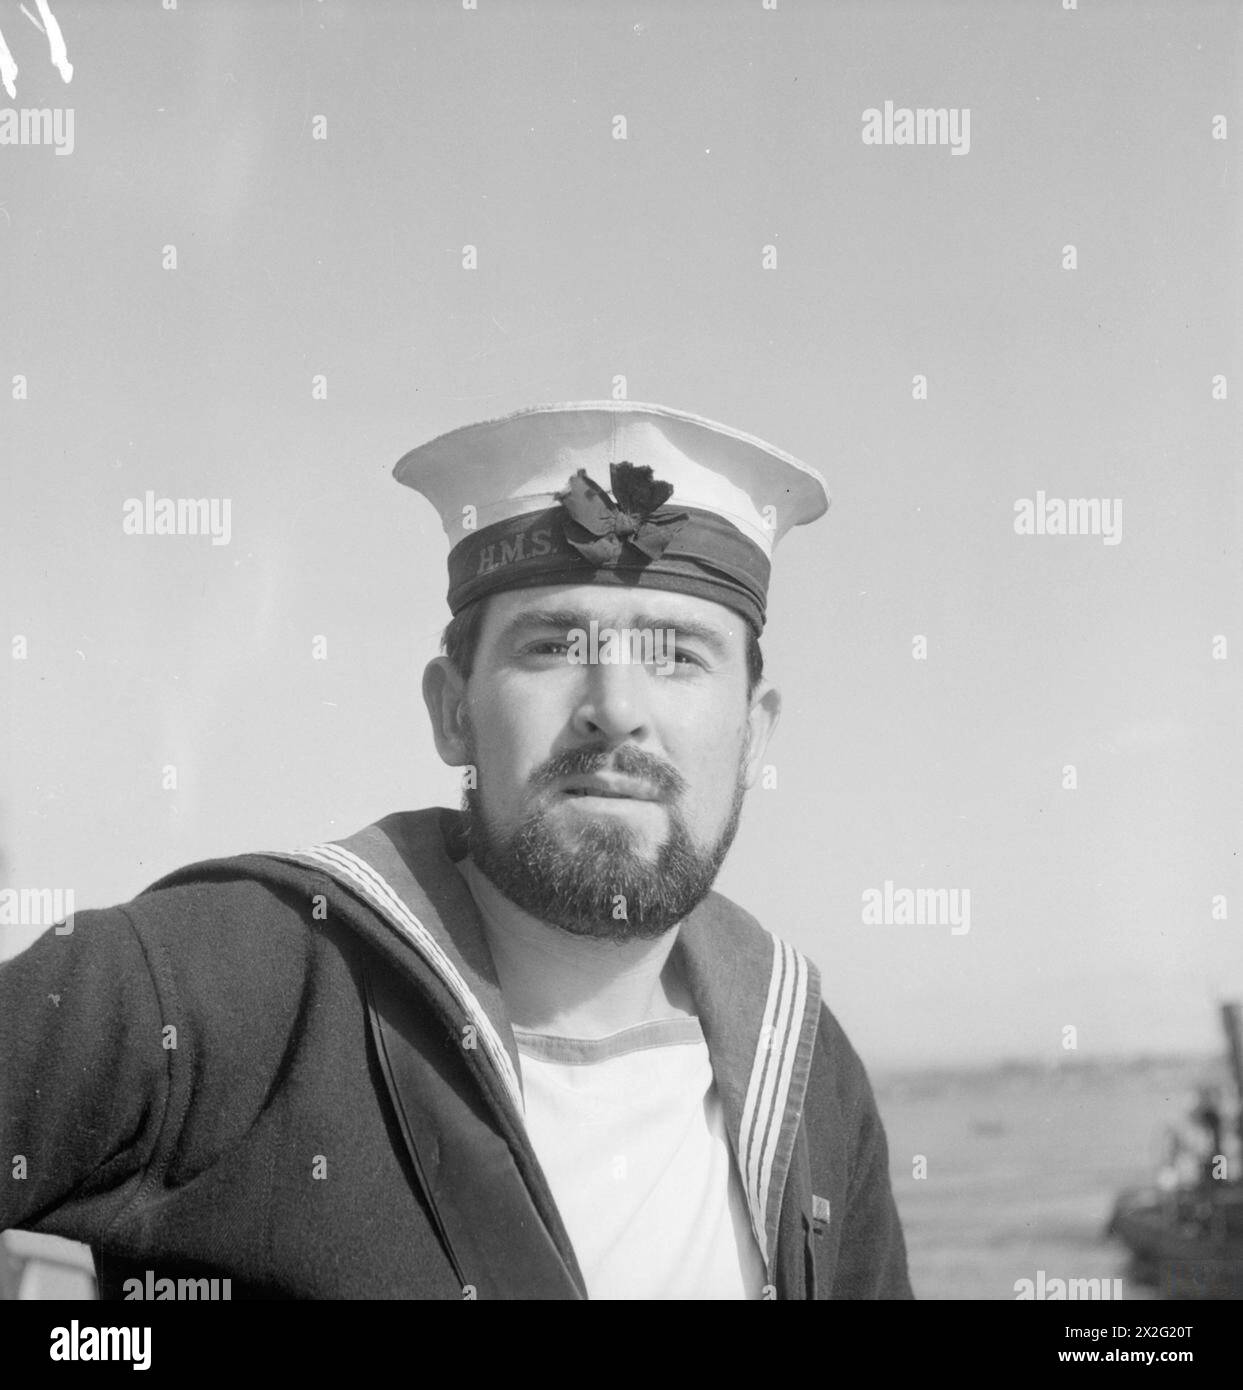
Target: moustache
x: 625, y: 761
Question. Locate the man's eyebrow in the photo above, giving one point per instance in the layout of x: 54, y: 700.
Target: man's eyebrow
x: 536, y: 619
x: 564, y: 619
x: 690, y: 628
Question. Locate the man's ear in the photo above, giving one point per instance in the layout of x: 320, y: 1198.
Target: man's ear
x: 444, y: 694
x: 761, y: 721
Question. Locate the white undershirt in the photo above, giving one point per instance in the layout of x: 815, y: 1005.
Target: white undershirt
x: 630, y: 1133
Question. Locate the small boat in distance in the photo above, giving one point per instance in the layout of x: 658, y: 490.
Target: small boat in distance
x: 1185, y: 1232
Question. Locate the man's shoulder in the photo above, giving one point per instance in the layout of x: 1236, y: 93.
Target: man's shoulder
x: 271, y: 913
x: 252, y: 892
x: 230, y: 892
x: 232, y: 919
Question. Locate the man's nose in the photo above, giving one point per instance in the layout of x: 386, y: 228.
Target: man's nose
x: 614, y: 702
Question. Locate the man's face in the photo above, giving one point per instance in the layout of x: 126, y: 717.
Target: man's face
x: 608, y: 792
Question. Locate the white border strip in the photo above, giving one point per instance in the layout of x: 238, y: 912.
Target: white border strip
x: 345, y: 865
x: 769, y: 1086
x: 793, y: 1027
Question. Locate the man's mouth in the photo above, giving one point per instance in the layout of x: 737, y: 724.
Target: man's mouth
x: 611, y: 788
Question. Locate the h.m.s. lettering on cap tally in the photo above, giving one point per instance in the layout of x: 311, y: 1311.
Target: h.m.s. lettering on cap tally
x: 690, y: 505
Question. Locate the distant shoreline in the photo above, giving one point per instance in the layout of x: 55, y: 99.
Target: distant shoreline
x: 1212, y: 1065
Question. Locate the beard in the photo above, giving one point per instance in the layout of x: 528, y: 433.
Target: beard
x: 594, y: 882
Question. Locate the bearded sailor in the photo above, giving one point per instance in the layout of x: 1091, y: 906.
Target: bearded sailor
x: 520, y: 1050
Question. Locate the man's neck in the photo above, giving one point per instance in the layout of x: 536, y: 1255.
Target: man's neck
x: 574, y: 986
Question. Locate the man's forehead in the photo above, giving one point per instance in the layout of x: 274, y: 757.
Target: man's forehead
x: 567, y: 607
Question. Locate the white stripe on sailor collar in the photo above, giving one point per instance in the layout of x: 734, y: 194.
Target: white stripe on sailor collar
x: 764, y: 1110
x: 768, y: 1090
x: 348, y: 869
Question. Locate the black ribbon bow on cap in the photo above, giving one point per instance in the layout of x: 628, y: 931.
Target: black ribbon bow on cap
x: 600, y: 528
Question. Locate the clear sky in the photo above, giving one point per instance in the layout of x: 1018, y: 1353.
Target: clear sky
x: 643, y: 258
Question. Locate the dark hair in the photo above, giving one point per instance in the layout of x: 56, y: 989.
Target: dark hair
x: 461, y: 638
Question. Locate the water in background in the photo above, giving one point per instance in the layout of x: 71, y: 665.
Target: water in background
x: 1024, y: 1164
x: 1023, y: 1167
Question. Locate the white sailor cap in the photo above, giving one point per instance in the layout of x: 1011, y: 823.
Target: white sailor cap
x: 612, y: 492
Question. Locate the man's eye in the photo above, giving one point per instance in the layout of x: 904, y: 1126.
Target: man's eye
x: 686, y: 660
x: 548, y: 648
